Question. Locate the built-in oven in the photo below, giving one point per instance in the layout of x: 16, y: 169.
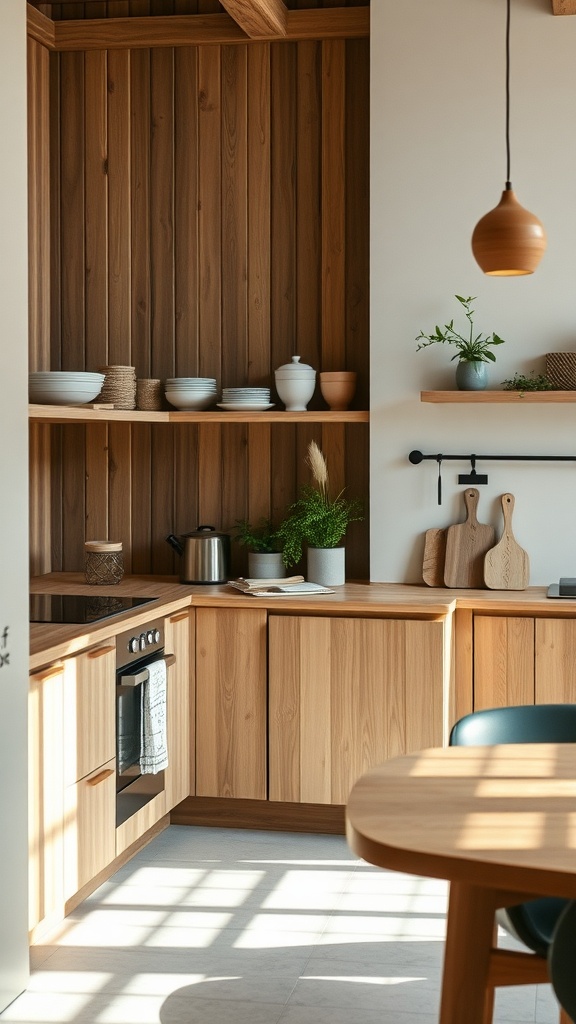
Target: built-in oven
x: 136, y: 651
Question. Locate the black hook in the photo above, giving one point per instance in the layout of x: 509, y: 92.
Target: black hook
x: 473, y: 477
x: 439, y: 461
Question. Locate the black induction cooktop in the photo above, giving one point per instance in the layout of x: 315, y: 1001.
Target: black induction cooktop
x: 80, y: 608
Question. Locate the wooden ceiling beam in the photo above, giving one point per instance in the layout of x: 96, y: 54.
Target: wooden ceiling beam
x: 564, y: 6
x: 258, y: 18
x: 198, y: 29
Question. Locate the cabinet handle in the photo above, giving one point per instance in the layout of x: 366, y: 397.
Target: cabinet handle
x: 54, y: 670
x: 179, y: 617
x: 100, y: 651
x: 97, y: 779
x: 170, y: 659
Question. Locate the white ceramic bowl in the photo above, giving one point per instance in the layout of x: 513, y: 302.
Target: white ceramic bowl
x: 183, y: 400
x: 63, y: 396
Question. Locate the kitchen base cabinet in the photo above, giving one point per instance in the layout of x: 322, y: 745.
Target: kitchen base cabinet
x: 45, y: 800
x: 231, y: 702
x: 178, y: 640
x: 503, y: 661
x: 346, y: 694
x: 523, y: 660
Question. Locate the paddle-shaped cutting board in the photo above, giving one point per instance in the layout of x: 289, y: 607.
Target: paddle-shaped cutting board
x: 466, y: 546
x: 507, y: 566
x: 434, y: 557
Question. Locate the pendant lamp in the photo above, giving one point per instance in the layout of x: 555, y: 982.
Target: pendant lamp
x: 509, y: 240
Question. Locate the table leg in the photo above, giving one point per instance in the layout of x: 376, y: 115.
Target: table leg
x: 469, y: 940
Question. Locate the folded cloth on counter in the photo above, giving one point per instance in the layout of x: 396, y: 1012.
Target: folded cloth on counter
x: 154, y: 749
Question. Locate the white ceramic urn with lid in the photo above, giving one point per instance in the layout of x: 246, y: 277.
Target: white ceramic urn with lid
x: 295, y: 384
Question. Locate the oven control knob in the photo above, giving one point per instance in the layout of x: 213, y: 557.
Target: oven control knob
x: 133, y: 645
x: 150, y: 637
x: 142, y: 641
x: 156, y: 636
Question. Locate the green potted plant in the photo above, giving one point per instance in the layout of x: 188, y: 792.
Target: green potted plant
x: 473, y: 351
x: 264, y: 548
x: 319, y: 521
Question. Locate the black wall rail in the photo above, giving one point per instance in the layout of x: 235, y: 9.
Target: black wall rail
x: 473, y: 477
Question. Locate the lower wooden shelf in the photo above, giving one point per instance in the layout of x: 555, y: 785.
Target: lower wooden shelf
x: 77, y: 414
x: 486, y: 397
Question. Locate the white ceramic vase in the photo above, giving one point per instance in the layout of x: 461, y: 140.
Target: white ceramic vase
x: 327, y: 566
x: 266, y: 565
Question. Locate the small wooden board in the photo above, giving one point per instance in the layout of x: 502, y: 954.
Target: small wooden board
x: 466, y: 546
x: 507, y: 566
x: 434, y: 557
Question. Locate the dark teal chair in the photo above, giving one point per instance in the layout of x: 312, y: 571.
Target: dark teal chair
x: 562, y: 960
x: 533, y: 923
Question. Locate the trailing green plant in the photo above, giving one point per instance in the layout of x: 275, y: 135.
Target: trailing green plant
x: 535, y: 382
x: 472, y: 348
x: 315, y: 518
x: 261, y: 538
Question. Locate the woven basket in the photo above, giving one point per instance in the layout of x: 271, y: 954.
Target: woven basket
x: 561, y: 370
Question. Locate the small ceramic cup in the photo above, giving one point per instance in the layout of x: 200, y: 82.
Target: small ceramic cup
x: 338, y: 388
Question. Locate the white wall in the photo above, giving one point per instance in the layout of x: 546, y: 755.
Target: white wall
x: 13, y: 505
x: 438, y: 165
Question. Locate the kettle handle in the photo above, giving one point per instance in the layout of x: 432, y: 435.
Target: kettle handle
x: 211, y: 528
x: 175, y: 543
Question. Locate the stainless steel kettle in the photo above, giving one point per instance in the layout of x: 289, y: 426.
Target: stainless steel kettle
x: 204, y: 555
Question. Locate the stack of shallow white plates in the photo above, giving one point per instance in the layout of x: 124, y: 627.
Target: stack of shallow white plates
x: 245, y: 399
x: 191, y: 392
x: 63, y: 387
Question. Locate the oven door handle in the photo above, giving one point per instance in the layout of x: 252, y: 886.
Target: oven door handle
x: 137, y: 678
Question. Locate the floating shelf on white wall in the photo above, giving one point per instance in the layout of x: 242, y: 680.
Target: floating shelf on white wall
x: 486, y: 397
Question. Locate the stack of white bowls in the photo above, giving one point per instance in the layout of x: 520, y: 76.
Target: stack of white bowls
x: 245, y: 399
x: 63, y: 387
x: 191, y: 392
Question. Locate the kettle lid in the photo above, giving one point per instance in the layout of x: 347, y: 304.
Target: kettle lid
x: 205, y: 531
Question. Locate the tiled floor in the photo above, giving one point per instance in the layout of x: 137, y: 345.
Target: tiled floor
x: 216, y: 926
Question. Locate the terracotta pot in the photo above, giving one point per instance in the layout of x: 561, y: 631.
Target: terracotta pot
x: 338, y: 388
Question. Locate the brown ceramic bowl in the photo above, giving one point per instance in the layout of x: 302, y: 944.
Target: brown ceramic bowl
x: 338, y: 389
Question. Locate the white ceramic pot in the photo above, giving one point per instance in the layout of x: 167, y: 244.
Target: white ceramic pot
x: 327, y: 566
x: 266, y: 565
x: 295, y: 384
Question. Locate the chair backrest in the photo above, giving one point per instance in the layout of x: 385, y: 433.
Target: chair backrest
x: 524, y: 723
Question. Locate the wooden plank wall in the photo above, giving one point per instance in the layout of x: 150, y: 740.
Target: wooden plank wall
x: 208, y: 216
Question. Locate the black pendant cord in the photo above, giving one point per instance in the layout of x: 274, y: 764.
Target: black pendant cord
x: 508, y: 182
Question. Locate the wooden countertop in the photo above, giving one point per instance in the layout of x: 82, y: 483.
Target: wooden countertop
x: 50, y: 642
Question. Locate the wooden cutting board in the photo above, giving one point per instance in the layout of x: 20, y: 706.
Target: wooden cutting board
x: 507, y: 566
x: 466, y: 545
x: 434, y: 557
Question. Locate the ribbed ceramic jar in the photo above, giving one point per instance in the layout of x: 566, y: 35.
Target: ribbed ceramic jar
x: 326, y: 566
x: 295, y: 384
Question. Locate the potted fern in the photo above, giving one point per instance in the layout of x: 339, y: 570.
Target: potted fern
x: 318, y: 521
x: 264, y: 548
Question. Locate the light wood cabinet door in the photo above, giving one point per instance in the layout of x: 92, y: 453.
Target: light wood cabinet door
x: 89, y: 711
x: 347, y: 694
x: 46, y: 800
x: 178, y: 639
x: 90, y: 827
x: 504, y: 671
x: 555, y: 661
x: 231, y: 703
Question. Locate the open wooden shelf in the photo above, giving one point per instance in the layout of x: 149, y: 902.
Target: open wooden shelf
x: 486, y: 397
x: 78, y: 414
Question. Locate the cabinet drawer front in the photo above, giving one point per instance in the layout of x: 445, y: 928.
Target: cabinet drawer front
x: 89, y: 712
x: 90, y: 832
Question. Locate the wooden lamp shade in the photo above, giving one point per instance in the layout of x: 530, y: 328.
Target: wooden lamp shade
x: 509, y: 240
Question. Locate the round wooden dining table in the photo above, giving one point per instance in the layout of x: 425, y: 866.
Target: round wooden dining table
x: 498, y: 822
